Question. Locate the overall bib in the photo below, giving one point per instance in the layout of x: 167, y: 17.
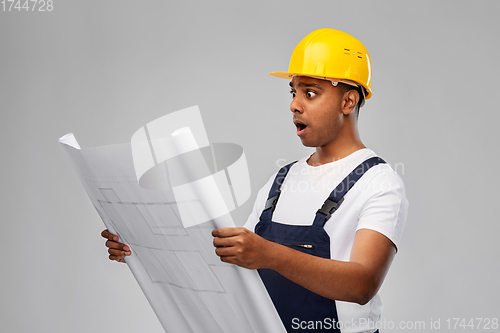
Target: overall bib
x: 294, y: 303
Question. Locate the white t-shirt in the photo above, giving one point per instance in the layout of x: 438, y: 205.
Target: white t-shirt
x: 377, y: 201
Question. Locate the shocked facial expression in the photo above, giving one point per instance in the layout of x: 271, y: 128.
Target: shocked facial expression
x: 316, y: 108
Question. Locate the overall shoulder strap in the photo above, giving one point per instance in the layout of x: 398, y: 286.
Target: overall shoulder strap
x: 274, y: 192
x: 337, y: 195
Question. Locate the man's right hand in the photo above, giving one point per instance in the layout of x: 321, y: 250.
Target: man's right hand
x: 117, y: 251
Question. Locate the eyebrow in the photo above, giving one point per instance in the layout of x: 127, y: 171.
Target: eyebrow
x: 303, y: 84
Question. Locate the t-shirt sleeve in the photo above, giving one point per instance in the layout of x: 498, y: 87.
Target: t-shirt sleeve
x: 386, y: 207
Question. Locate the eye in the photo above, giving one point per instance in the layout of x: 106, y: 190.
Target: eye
x: 310, y: 94
x: 293, y: 93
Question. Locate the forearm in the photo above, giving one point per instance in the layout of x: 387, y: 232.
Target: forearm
x: 339, y: 280
x: 355, y: 281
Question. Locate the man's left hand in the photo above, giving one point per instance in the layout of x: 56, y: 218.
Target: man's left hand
x: 241, y: 247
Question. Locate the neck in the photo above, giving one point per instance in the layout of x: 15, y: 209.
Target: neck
x: 346, y: 143
x: 323, y: 156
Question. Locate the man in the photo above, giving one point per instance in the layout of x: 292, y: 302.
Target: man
x: 322, y: 275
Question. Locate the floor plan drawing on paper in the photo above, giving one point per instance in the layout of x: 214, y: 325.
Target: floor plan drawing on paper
x: 163, y: 194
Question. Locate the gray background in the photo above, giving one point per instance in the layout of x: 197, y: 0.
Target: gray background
x: 102, y: 69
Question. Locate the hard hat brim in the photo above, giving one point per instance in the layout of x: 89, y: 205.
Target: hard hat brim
x: 283, y: 75
x: 288, y: 75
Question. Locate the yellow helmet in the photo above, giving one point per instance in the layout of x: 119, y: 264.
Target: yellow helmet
x: 333, y: 55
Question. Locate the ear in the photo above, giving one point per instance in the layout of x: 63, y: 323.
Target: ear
x: 349, y: 101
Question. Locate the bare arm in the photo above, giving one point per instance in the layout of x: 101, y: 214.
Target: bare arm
x: 357, y: 280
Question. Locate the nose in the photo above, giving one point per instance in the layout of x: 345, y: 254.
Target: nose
x: 296, y: 105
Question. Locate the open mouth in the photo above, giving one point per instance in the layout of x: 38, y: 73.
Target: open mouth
x: 300, y: 126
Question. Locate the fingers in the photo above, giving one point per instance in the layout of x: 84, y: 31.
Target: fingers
x: 117, y: 245
x: 118, y: 255
x: 225, y: 251
x: 106, y: 234
x: 227, y: 237
x: 117, y: 259
x: 117, y: 251
x: 228, y: 232
x: 223, y: 242
x: 229, y: 259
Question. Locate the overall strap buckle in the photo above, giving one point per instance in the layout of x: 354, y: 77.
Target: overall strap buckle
x: 271, y: 202
x: 275, y: 191
x: 329, y: 207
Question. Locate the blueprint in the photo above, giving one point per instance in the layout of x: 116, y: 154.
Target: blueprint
x: 163, y: 194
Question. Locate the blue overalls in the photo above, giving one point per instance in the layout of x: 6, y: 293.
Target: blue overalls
x: 290, y: 299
